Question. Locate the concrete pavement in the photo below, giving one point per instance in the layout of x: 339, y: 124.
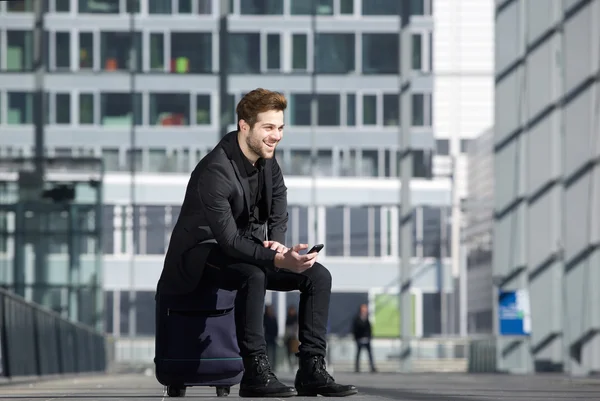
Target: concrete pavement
x: 410, y: 387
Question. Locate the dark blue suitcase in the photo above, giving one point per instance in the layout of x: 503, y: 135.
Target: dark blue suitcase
x: 196, y: 343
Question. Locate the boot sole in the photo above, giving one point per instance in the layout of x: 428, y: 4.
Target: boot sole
x: 316, y: 393
x: 254, y: 394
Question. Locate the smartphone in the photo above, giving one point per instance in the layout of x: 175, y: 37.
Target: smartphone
x: 317, y: 248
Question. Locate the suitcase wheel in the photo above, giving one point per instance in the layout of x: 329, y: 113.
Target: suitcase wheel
x: 223, y: 391
x: 176, y: 391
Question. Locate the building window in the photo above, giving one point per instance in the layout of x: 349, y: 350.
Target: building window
x: 381, y: 7
x: 442, y: 147
x: 86, y: 50
x: 273, y: 52
x: 116, y: 109
x: 19, y: 6
x: 417, y: 51
x: 328, y: 113
x: 359, y: 231
x: 421, y: 109
x: 351, y: 109
x: 204, y: 7
x: 203, y: 110
x: 191, y: 52
x: 303, y: 7
x: 228, y: 114
x: 369, y: 163
x: 62, y: 108
x: 20, y: 108
x: 391, y: 109
x: 421, y: 7
x: 380, y: 53
x: 299, y: 52
x: 157, y: 51
x: 300, y: 109
x: 244, y: 53
x: 99, y: 6
x: 335, y: 53
x: 185, y: 7
x: 19, y: 52
x: 346, y: 7
x: 261, y: 7
x: 334, y: 231
x: 62, y: 6
x: 369, y: 110
x: 159, y: 7
x: 168, y: 109
x: 116, y: 51
x: 62, y: 50
x: 86, y: 108
x: 464, y: 145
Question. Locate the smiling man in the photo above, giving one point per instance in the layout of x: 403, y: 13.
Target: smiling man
x: 231, y: 231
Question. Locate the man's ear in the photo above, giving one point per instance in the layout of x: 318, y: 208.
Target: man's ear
x: 243, y: 124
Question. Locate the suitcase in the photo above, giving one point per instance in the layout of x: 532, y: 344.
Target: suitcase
x: 196, y: 343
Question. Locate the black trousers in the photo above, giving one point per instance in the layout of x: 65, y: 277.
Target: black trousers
x: 252, y: 281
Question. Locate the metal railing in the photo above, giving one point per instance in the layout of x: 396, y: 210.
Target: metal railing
x: 35, y: 341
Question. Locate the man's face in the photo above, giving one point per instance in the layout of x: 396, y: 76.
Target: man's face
x: 262, y: 139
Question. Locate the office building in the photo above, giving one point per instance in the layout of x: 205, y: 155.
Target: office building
x: 546, y: 181
x: 184, y: 65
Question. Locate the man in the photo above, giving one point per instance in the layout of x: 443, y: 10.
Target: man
x: 361, y: 329
x: 234, y: 219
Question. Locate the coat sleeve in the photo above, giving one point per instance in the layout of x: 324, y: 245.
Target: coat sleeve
x: 279, y: 214
x: 214, y: 189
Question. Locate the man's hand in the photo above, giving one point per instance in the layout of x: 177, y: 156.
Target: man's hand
x: 291, y: 260
x: 276, y: 246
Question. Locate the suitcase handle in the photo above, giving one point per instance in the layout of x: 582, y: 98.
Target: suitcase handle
x: 197, y: 312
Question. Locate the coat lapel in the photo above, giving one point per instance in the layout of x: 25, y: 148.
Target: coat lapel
x: 245, y: 186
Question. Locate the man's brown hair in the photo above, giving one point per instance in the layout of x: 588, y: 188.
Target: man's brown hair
x: 258, y: 101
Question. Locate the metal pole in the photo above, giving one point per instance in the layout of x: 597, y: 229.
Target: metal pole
x: 132, y: 146
x: 314, y: 109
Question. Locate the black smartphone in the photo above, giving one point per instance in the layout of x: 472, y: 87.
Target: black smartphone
x: 317, y: 248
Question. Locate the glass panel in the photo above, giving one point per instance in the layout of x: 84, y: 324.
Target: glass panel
x: 370, y: 164
x: 19, y: 51
x: 203, y: 110
x: 110, y: 158
x: 204, y: 6
x: 304, y: 7
x: 63, y: 50
x: 19, y: 6
x: 63, y: 108
x: 335, y: 53
x: 133, y: 6
x: 156, y: 230
x: 191, y: 52
x: 442, y: 147
x: 381, y: 7
x: 376, y: 212
x: 432, y: 228
x: 159, y: 7
x: 334, y: 231
x: 184, y: 7
x: 244, y: 51
x: 369, y: 109
x: 299, y: 51
x: 273, y: 51
x: 86, y: 50
x: 418, y: 110
x: 417, y: 40
x: 228, y: 115
x: 20, y: 108
x: 157, y: 52
x: 99, y: 6
x: 302, y: 225
x: 62, y: 6
x: 261, y: 7
x: 391, y: 109
x: 300, y: 109
x: 116, y: 51
x: 346, y: 7
x: 380, y: 52
x: 116, y: 109
x: 351, y: 110
x: 108, y: 229
x: 86, y: 108
x: 168, y: 109
x: 417, y: 7
x: 359, y: 234
x: 328, y: 110
x: 300, y: 163
x: 145, y: 313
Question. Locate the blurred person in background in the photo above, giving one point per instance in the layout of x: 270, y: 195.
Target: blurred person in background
x: 271, y: 333
x: 361, y: 329
x: 234, y: 220
x: 290, y: 337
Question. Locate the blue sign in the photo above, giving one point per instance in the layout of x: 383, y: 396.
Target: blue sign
x: 514, y: 313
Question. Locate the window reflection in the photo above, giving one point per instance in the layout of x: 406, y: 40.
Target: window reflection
x: 19, y: 52
x: 334, y: 231
x: 381, y: 7
x: 244, y: 53
x: 20, y: 108
x: 86, y: 108
x: 62, y: 108
x: 369, y: 109
x: 299, y: 105
x: 380, y: 53
x: 169, y: 109
x: 335, y: 53
x: 304, y: 7
x: 86, y: 50
x: 417, y: 52
x: 328, y: 110
x: 157, y: 51
x: 159, y: 6
x: 191, y: 52
x: 391, y: 110
x: 116, y: 109
x: 203, y: 110
x: 62, y: 48
x: 116, y: 51
x: 359, y: 231
x: 261, y: 7
x: 299, y: 51
x: 99, y: 6
x: 19, y: 6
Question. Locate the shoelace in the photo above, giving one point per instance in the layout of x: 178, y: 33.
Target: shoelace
x: 264, y: 368
x: 320, y: 368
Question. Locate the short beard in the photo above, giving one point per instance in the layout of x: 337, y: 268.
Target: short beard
x: 255, y: 144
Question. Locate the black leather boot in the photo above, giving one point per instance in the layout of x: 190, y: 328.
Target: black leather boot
x: 259, y: 381
x: 312, y: 379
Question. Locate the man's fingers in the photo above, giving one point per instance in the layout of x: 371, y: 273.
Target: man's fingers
x: 300, y: 247
x: 275, y: 246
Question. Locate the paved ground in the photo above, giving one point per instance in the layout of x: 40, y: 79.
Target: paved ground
x: 414, y: 387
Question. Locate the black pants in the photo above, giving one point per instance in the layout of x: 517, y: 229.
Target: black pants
x: 359, y: 348
x: 252, y: 281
